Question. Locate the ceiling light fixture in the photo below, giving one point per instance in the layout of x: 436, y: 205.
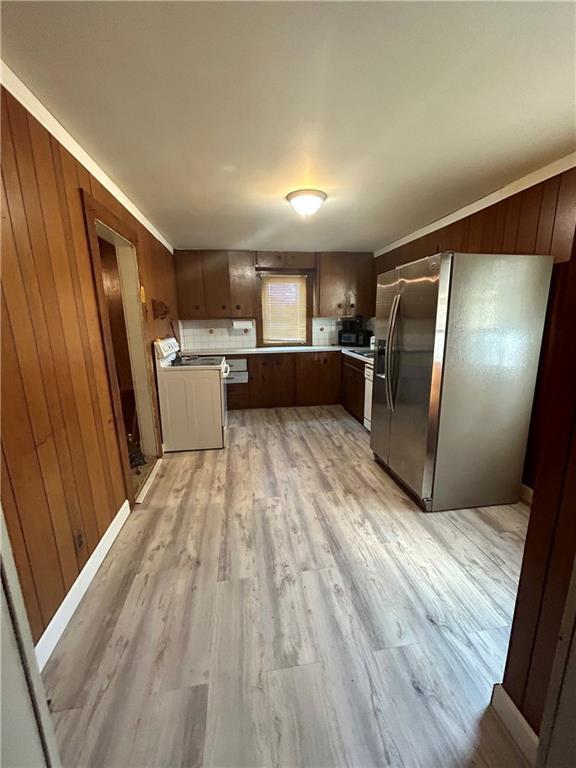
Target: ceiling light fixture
x: 306, y: 201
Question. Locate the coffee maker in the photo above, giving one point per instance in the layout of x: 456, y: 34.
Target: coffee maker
x: 352, y: 332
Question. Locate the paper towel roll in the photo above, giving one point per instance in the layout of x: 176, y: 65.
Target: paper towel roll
x: 241, y: 325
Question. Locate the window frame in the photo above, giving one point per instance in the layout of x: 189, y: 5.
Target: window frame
x: 309, y: 274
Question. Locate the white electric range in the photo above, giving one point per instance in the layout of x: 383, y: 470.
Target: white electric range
x: 192, y: 395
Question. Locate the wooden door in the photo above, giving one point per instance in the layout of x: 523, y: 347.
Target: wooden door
x: 353, y: 385
x: 272, y: 380
x: 243, y: 284
x: 318, y: 378
x: 216, y: 284
x: 190, y: 285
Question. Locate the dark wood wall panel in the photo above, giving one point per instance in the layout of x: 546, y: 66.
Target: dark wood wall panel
x: 62, y: 480
x: 540, y: 219
x: 551, y: 539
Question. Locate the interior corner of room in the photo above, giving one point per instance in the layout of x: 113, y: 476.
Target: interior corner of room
x: 288, y: 385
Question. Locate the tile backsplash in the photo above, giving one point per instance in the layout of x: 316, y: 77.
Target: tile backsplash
x: 215, y: 334
x: 324, y: 331
x: 219, y: 334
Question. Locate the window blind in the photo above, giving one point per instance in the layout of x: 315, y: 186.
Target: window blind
x: 284, y: 309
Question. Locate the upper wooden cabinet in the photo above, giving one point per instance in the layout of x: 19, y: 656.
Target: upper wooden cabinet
x: 190, y: 284
x: 347, y: 284
x: 243, y: 284
x: 286, y: 260
x: 224, y: 284
x: 213, y: 284
x: 216, y: 270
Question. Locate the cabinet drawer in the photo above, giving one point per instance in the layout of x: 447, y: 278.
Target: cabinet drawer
x: 237, y: 364
x: 237, y: 377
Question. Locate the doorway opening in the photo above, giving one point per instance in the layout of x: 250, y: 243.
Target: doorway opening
x: 122, y: 292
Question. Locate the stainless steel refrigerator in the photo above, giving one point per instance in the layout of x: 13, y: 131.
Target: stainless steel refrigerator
x: 458, y: 341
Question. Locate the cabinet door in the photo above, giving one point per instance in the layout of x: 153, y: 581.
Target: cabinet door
x: 347, y: 284
x: 299, y: 260
x: 272, y: 380
x: 282, y: 379
x: 243, y: 284
x: 318, y: 378
x: 334, y: 284
x: 256, y: 381
x: 353, y: 390
x: 238, y: 396
x: 271, y: 259
x: 216, y: 283
x: 361, y: 298
x: 190, y: 285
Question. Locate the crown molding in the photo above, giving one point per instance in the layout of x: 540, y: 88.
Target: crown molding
x: 536, y: 177
x: 24, y: 95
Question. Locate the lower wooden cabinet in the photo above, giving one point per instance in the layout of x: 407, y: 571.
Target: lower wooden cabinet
x: 272, y: 380
x: 353, y: 385
x: 318, y: 378
x: 238, y: 396
x: 281, y: 379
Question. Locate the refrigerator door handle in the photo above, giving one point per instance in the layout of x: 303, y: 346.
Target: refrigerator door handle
x: 387, y: 358
x: 391, y: 329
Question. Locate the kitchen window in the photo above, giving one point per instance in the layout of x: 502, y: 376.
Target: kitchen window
x: 285, y: 303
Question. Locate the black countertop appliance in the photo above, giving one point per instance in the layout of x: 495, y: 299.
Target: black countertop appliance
x: 353, y: 333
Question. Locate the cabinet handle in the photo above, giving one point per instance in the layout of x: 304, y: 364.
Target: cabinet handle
x: 196, y: 306
x: 352, y: 306
x: 238, y: 306
x: 223, y: 306
x: 339, y: 306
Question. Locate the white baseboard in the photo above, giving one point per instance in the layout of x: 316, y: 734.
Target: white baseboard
x: 149, y: 480
x: 59, y: 622
x: 515, y: 723
x: 526, y: 493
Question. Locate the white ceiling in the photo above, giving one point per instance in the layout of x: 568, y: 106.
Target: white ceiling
x: 207, y: 114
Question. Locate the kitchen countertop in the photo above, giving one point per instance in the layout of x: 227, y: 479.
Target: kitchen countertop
x: 261, y: 350
x: 354, y: 353
x: 277, y: 350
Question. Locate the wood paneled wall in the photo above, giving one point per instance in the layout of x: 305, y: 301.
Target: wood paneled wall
x: 62, y: 480
x: 551, y: 539
x: 542, y: 220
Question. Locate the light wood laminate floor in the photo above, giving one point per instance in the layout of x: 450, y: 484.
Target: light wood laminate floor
x: 283, y: 603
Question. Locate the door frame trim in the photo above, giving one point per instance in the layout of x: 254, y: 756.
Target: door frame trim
x: 93, y: 212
